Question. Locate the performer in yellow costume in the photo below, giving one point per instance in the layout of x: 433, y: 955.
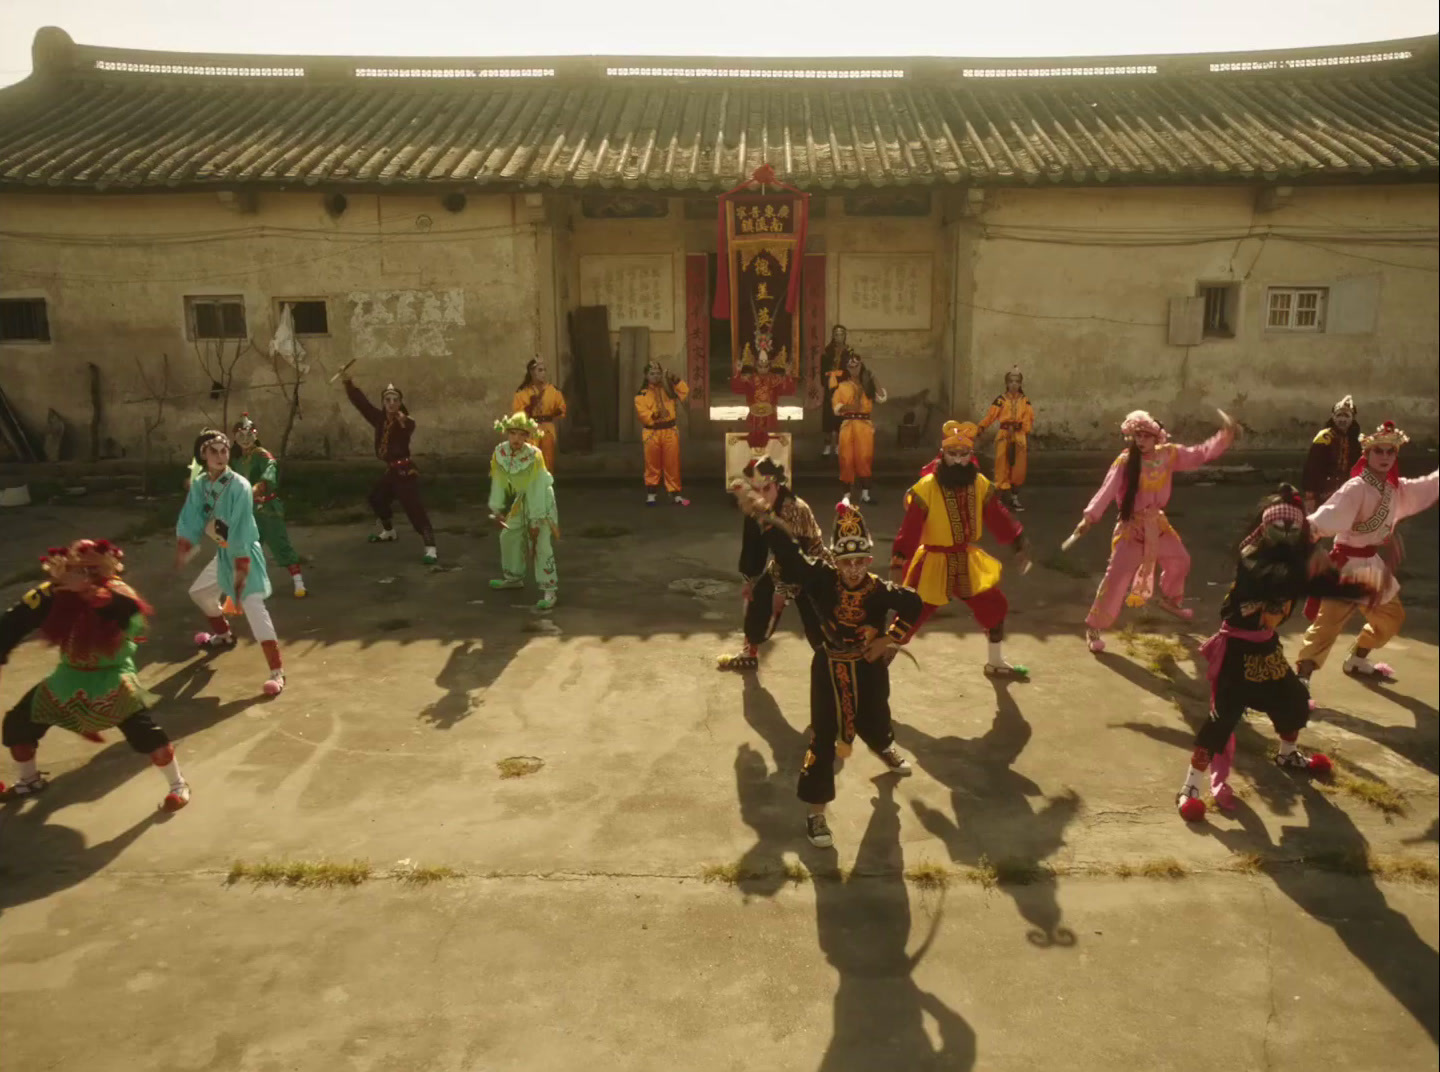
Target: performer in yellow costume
x: 657, y: 404
x: 855, y: 398
x: 542, y: 402
x: 1016, y: 417
x: 937, y: 551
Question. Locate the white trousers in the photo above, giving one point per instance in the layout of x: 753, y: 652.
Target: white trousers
x: 206, y: 594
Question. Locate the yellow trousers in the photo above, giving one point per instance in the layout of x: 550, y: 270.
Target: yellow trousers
x: 662, y: 458
x: 1381, y: 623
x: 1009, y: 476
x: 548, y: 444
x: 857, y: 450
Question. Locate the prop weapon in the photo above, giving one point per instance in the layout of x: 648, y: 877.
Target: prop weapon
x: 342, y: 370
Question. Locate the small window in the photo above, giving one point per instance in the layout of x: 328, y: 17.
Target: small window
x: 24, y: 320
x: 1221, y: 302
x: 1295, y: 309
x: 311, y: 317
x: 216, y: 318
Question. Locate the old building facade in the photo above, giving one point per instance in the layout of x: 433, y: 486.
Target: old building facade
x: 1256, y: 232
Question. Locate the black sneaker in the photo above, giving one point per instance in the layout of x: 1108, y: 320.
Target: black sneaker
x: 818, y: 831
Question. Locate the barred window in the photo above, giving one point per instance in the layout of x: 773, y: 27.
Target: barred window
x: 24, y: 320
x: 215, y: 318
x: 1295, y: 309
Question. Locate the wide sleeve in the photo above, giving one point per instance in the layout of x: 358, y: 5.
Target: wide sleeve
x: 243, y: 533
x: 1108, y: 493
x: 1187, y: 458
x: 787, y: 386
x: 24, y: 618
x: 796, y: 567
x: 1027, y: 416
x: 1317, y: 464
x: 191, y: 525
x: 992, y: 414
x: 1338, y: 512
x: 1416, y: 494
x: 843, y: 395
x: 754, y: 552
x: 645, y: 409
x: 499, y: 486
x: 360, y: 402
x: 521, y: 402
x: 682, y: 391
x: 1002, y: 523
x: 557, y: 403
x: 741, y: 384
x: 269, y: 481
x: 907, y: 539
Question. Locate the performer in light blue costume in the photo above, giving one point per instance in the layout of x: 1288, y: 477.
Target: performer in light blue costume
x: 220, y: 505
x: 522, y: 503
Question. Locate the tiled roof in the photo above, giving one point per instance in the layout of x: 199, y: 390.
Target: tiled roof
x: 96, y: 118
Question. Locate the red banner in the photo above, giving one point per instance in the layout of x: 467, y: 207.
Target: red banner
x: 697, y: 329
x: 812, y: 312
x: 761, y: 245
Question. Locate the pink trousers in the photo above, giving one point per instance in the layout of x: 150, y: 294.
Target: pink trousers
x: 1172, y: 562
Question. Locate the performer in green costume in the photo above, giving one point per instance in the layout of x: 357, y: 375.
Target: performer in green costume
x: 259, y: 466
x: 522, y: 503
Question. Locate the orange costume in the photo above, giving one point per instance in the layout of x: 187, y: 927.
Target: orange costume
x: 544, y: 404
x: 857, y: 432
x: 657, y: 410
x: 1016, y: 417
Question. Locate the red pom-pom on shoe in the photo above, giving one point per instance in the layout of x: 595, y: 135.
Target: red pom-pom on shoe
x: 1320, y: 763
x: 1192, y: 809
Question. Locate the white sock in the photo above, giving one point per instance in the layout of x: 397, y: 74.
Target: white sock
x: 432, y: 552
x: 171, y: 771
x: 29, y: 768
x: 1194, y: 780
x: 995, y: 658
x: 650, y: 497
x: 1286, y: 747
x: 298, y: 580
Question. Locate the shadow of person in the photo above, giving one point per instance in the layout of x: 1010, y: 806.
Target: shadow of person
x: 1420, y: 743
x: 768, y: 803
x: 863, y: 924
x: 994, y: 820
x: 470, y: 668
x: 1382, y: 939
x: 56, y: 856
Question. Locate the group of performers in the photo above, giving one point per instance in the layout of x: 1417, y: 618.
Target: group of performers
x: 854, y: 620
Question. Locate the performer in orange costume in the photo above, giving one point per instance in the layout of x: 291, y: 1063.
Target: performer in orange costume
x: 855, y: 397
x: 542, y: 402
x: 1016, y: 417
x: 657, y: 404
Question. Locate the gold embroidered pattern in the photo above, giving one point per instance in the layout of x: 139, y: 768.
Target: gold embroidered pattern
x: 1271, y: 667
x: 960, y: 513
x: 1377, y: 520
x: 850, y: 608
x: 842, y: 680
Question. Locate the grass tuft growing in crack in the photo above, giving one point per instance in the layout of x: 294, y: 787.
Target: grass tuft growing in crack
x: 928, y: 875
x: 300, y: 874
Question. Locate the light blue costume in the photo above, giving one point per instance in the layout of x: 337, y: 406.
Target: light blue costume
x: 224, y: 511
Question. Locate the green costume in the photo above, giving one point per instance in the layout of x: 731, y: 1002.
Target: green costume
x: 522, y: 495
x: 259, y: 466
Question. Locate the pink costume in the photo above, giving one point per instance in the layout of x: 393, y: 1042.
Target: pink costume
x: 1147, y: 541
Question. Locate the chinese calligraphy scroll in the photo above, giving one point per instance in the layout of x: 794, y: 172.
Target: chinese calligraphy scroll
x: 697, y: 329
x: 812, y: 312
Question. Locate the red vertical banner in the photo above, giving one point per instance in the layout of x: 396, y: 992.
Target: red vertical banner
x: 812, y: 314
x: 697, y: 329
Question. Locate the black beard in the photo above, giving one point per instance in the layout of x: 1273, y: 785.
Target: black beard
x: 956, y: 476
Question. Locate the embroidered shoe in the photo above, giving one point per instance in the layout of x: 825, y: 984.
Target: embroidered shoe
x: 897, y: 763
x: 28, y: 787
x: 680, y: 500
x: 384, y: 536
x: 1094, y: 641
x: 300, y: 592
x: 1185, y: 614
x: 274, y: 684
x: 744, y: 660
x: 547, y: 601
x: 1005, y: 671
x: 1192, y: 808
x: 216, y: 641
x: 818, y: 831
x: 499, y: 583
x: 1224, y: 797
x: 430, y: 558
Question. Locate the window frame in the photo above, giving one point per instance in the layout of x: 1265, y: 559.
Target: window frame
x: 280, y: 303
x: 1230, y: 308
x: 1293, y: 309
x: 192, y: 326
x: 46, y: 337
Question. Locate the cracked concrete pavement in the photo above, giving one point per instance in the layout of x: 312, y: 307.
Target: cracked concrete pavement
x: 581, y: 931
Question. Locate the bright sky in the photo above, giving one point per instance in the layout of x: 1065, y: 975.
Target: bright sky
x: 1020, y: 28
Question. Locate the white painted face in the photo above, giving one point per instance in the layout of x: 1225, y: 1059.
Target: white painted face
x: 1343, y: 420
x: 518, y: 437
x: 539, y: 373
x: 216, y: 455
x: 767, y: 490
x: 762, y: 361
x: 958, y: 457
x: 1382, y: 459
x: 245, y: 437
x: 654, y: 375
x: 852, y: 569
x: 391, y: 402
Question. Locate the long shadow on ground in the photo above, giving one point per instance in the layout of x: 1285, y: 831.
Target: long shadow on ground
x: 994, y: 819
x: 864, y: 924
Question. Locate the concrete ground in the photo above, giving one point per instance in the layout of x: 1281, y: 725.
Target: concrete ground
x: 580, y: 930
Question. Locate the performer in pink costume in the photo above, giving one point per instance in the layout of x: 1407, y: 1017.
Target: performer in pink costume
x: 1144, y: 542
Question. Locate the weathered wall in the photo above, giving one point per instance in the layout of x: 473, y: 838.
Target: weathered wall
x: 447, y: 305
x: 1088, y: 322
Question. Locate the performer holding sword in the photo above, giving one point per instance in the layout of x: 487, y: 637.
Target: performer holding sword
x: 1144, y: 543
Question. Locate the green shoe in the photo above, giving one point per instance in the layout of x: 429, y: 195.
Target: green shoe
x: 547, y: 601
x: 507, y: 582
x: 1007, y: 672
